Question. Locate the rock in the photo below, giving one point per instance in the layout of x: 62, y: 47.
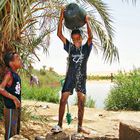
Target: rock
x: 129, y: 130
x: 45, y: 106
x: 104, y: 138
x: 77, y: 136
x: 40, y: 138
x: 57, y: 136
x: 18, y: 137
x: 100, y: 115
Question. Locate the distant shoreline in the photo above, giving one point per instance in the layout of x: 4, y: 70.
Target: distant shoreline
x: 100, y: 81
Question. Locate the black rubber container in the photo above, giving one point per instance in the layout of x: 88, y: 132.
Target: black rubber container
x: 74, y: 16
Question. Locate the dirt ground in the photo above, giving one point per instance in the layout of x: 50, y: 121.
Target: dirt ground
x: 39, y: 117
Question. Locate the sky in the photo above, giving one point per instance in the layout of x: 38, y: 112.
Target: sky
x: 126, y: 19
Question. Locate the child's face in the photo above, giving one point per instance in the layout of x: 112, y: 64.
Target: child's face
x: 17, y: 61
x: 77, y: 40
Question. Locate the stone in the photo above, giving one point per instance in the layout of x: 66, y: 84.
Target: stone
x: 40, y: 138
x: 77, y: 136
x: 129, y: 130
x: 18, y: 137
x: 74, y: 136
x: 57, y: 136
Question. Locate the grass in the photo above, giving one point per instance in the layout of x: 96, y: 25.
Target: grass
x: 46, y: 91
x: 47, y: 94
x: 90, y: 103
x: 27, y: 115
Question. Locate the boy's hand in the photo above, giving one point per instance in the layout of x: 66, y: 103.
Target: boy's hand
x: 62, y: 13
x: 17, y: 102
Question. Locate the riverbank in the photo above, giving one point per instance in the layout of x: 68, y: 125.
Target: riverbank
x: 98, y: 122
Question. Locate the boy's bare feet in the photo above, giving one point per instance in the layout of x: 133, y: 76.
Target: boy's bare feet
x: 82, y: 130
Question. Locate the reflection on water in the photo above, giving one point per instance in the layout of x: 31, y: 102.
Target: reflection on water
x: 98, y: 90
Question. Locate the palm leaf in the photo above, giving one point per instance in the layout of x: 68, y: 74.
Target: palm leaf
x: 2, y: 4
x: 101, y: 23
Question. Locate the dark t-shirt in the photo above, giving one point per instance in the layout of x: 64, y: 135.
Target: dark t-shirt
x: 14, y: 89
x: 78, y: 57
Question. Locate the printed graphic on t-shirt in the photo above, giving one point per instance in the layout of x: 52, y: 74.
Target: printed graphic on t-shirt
x: 78, y: 58
x: 17, y: 88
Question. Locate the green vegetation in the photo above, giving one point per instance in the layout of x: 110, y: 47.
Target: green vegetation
x: 47, y: 90
x: 100, y: 77
x: 90, y: 103
x: 41, y: 94
x: 125, y: 95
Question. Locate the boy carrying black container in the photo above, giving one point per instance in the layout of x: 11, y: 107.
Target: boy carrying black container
x: 10, y: 89
x: 76, y: 74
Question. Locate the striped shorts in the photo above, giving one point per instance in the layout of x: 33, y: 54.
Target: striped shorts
x: 12, y: 122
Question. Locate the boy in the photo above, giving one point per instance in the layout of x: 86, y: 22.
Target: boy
x: 76, y: 74
x: 11, y: 92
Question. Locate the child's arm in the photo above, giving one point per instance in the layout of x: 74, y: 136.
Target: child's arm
x: 3, y: 92
x: 90, y: 36
x: 59, y: 30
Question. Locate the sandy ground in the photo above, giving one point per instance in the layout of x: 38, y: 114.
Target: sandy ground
x: 45, y: 115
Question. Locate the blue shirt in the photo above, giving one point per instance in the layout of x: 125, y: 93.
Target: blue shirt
x: 14, y: 89
x: 78, y: 57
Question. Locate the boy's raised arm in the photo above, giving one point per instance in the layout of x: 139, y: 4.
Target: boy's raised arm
x: 59, y: 30
x: 90, y: 36
x: 3, y: 92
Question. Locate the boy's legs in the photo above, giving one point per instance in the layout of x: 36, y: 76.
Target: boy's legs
x: 62, y: 105
x: 81, y: 102
x: 18, y: 121
x: 11, y: 120
x: 6, y: 123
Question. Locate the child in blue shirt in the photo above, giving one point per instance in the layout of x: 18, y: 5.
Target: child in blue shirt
x: 10, y: 89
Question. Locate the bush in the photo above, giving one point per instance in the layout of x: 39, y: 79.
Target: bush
x: 47, y: 94
x: 125, y: 95
x: 42, y: 72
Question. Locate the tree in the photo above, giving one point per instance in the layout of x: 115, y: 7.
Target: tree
x: 25, y: 26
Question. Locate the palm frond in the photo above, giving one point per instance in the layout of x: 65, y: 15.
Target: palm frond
x: 2, y: 4
x: 101, y: 23
x: 110, y: 52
